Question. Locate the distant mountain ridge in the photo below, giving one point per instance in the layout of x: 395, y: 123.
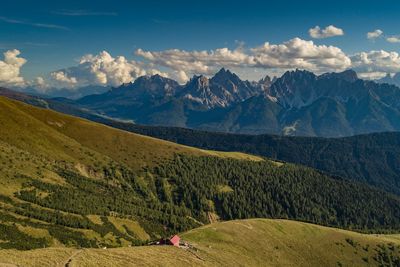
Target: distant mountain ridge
x: 299, y: 103
x: 390, y: 79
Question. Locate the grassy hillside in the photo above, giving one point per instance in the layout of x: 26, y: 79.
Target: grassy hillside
x: 54, y: 166
x: 63, y: 136
x: 68, y: 182
x: 256, y: 242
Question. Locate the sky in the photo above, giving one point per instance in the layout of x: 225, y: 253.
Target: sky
x: 69, y: 44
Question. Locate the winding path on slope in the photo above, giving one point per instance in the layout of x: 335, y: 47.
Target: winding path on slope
x: 69, y: 260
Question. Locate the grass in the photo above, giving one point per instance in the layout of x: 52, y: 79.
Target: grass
x: 232, y: 155
x: 128, y: 226
x: 95, y: 219
x: 35, y: 143
x: 255, y: 242
x: 71, y: 138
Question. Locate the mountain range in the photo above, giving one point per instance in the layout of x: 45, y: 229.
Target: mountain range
x: 298, y: 103
x: 370, y: 158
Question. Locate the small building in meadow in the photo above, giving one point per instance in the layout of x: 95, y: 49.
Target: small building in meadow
x: 174, y: 240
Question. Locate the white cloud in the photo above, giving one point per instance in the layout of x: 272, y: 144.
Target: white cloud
x: 10, y: 69
x: 329, y: 31
x: 295, y: 53
x: 101, y: 69
x: 104, y: 69
x: 393, y: 39
x: 371, y: 75
x: 200, y: 62
x: 40, y: 84
x: 376, y: 63
x: 379, y: 33
x: 181, y: 76
x: 374, y: 34
x: 62, y: 78
x: 298, y: 53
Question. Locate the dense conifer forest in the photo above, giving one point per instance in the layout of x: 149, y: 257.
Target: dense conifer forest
x: 372, y: 158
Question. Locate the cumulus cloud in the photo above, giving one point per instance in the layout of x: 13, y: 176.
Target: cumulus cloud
x: 40, y: 84
x: 62, y: 78
x: 295, y: 53
x: 181, y: 76
x: 393, y: 39
x: 101, y: 69
x: 10, y: 69
x: 104, y: 69
x: 374, y: 34
x: 298, y: 53
x: 376, y: 63
x: 200, y: 62
x: 329, y: 31
x: 379, y: 34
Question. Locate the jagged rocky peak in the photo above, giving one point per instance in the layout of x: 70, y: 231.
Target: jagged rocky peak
x: 122, y: 87
x: 265, y: 80
x: 300, y: 88
x: 196, y: 89
x: 153, y: 86
x: 292, y: 81
x: 263, y: 85
x: 198, y: 81
x: 223, y: 89
x: 223, y: 76
x: 293, y: 88
x: 297, y: 75
x: 347, y: 75
x: 155, y: 79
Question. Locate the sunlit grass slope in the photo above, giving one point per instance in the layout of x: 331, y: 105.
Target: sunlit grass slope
x: 37, y: 146
x: 62, y: 136
x: 256, y: 242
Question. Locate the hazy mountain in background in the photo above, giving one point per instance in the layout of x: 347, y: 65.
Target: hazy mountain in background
x: 395, y: 79
x: 298, y: 103
x: 74, y: 93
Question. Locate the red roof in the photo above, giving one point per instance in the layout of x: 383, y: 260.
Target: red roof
x: 175, y: 240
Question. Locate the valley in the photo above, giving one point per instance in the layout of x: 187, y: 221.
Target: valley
x: 71, y: 182
x: 201, y: 133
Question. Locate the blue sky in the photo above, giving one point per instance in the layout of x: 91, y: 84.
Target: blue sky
x: 54, y: 35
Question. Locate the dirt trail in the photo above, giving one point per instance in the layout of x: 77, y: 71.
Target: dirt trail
x: 69, y: 260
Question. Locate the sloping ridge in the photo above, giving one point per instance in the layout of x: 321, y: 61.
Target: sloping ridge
x: 46, y: 131
x: 255, y: 242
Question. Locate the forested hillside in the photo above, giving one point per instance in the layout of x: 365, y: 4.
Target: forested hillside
x: 68, y: 181
x: 373, y: 158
